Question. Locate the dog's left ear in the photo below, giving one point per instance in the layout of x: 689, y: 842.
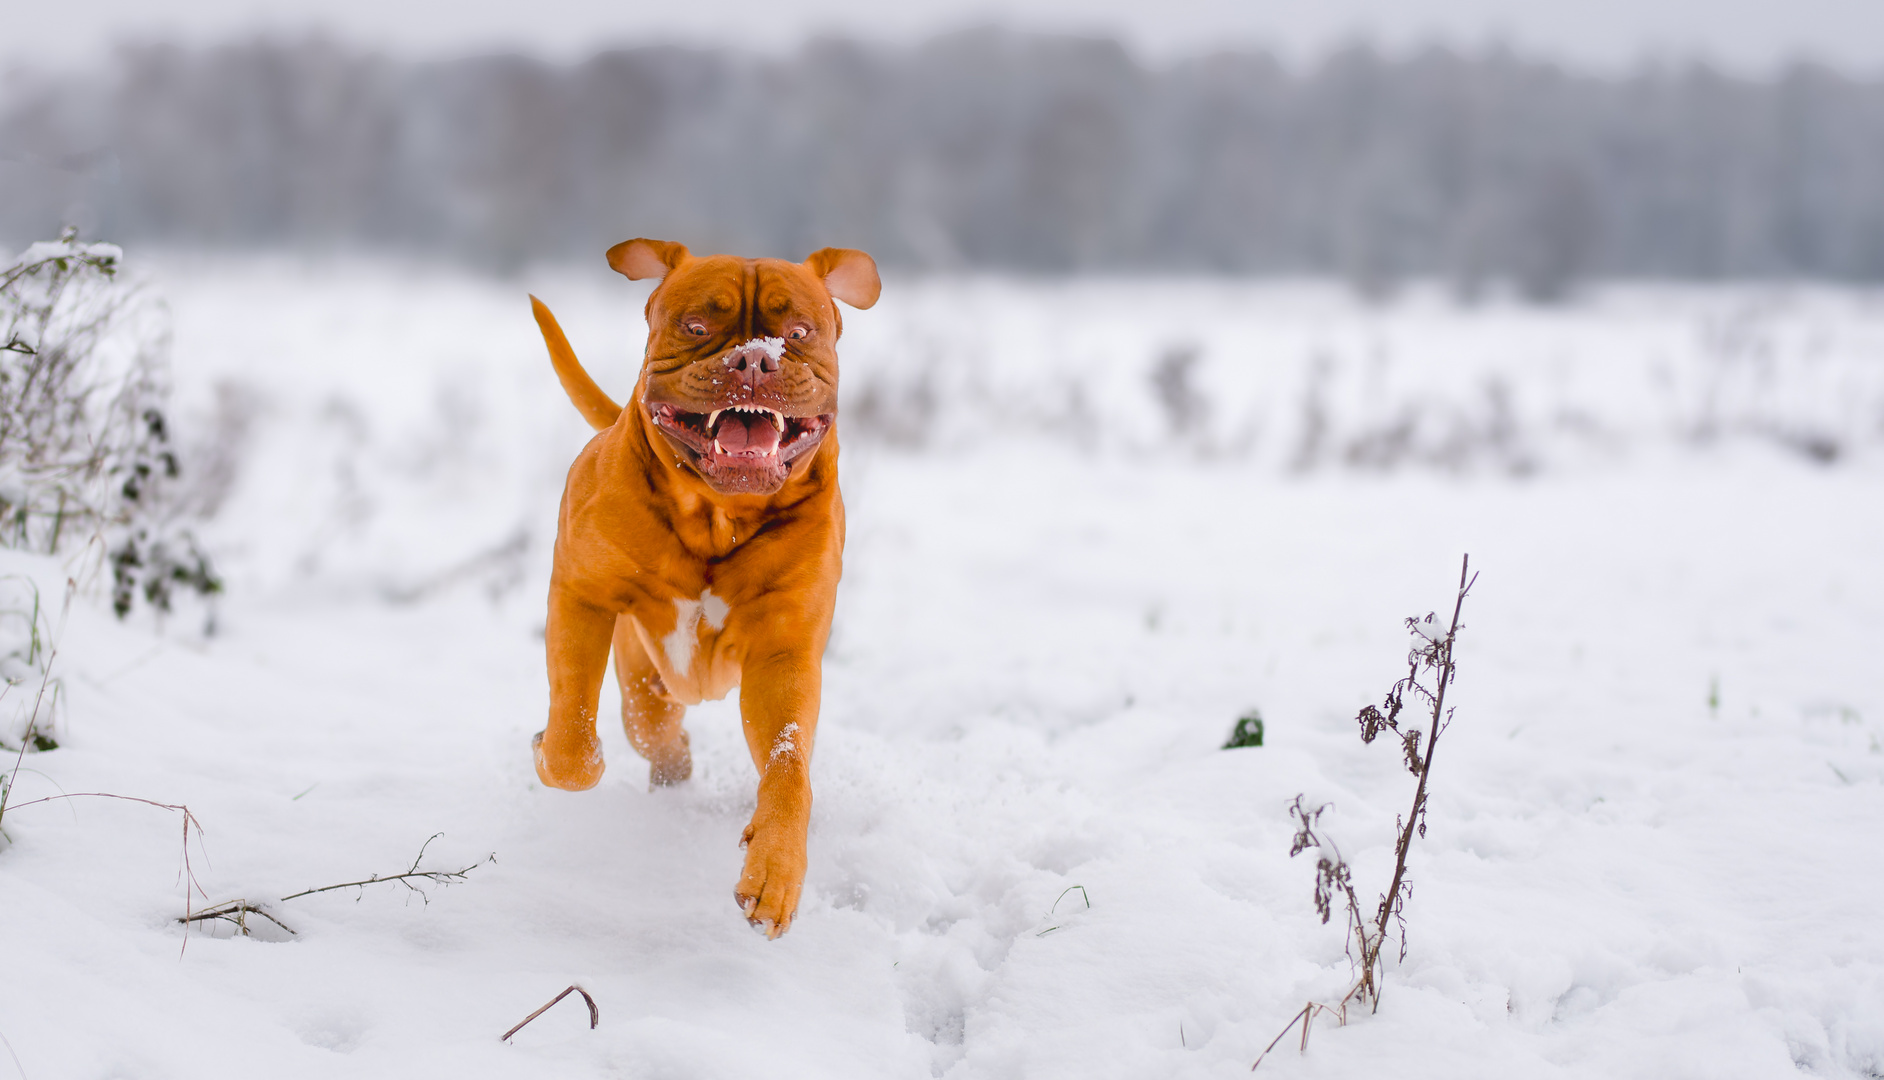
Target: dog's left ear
x: 849, y: 274
x: 643, y: 258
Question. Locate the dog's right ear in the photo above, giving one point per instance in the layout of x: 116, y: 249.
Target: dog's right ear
x: 643, y: 258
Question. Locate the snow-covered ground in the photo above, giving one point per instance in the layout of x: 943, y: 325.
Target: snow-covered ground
x: 1075, y: 558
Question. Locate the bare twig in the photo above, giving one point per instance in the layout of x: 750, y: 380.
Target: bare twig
x: 412, y: 873
x: 595, y: 1015
x: 237, y: 911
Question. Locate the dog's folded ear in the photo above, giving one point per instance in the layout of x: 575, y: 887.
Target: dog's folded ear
x: 849, y: 274
x: 643, y: 258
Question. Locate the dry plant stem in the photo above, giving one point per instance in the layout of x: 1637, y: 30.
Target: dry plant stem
x: 1304, y: 1017
x: 1331, y: 871
x: 439, y: 877
x: 1390, y: 902
x: 237, y: 911
x: 595, y: 1015
x: 189, y: 822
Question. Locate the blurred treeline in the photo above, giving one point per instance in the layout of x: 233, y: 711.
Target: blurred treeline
x: 983, y: 149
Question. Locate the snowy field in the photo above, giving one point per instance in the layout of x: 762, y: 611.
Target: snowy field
x: 1090, y: 525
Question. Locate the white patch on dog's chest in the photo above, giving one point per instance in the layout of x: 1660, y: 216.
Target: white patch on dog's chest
x: 680, y: 645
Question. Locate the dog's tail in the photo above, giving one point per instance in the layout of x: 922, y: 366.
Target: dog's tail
x: 595, y: 406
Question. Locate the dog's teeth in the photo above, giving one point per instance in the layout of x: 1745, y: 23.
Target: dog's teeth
x: 713, y: 417
x: 778, y: 421
x: 717, y: 448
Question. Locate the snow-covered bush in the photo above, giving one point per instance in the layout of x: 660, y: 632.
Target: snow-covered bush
x: 85, y: 457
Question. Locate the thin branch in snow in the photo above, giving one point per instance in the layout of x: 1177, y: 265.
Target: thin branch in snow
x: 411, y: 874
x: 595, y: 1015
x: 237, y: 911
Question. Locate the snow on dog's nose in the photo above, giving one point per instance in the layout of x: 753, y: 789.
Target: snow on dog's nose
x: 754, y: 362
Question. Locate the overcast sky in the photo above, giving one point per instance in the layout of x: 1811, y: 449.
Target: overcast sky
x: 1745, y: 34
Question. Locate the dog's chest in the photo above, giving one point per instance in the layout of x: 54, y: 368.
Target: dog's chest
x: 695, y: 657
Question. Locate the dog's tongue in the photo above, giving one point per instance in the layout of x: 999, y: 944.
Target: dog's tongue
x: 742, y: 433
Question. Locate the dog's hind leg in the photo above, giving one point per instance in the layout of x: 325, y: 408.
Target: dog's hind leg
x: 568, y: 753
x: 651, y: 718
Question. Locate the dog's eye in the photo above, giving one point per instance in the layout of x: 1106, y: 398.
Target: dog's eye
x: 697, y: 329
x: 799, y: 333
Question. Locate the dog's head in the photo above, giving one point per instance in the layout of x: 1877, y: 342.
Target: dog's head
x: 741, y: 369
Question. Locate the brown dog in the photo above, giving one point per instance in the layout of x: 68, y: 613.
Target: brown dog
x: 702, y: 534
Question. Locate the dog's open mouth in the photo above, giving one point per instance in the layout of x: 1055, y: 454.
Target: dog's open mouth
x: 747, y: 446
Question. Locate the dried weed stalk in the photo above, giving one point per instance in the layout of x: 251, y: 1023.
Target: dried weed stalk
x: 237, y: 912
x: 186, y: 874
x: 595, y: 1014
x: 1429, y: 661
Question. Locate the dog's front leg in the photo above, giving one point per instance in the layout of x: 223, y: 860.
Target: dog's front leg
x: 576, y: 638
x: 778, y: 701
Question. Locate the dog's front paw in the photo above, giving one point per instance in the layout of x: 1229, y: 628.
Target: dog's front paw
x: 572, y: 768
x: 774, y: 875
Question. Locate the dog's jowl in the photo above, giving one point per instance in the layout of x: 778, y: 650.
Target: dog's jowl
x: 701, y: 534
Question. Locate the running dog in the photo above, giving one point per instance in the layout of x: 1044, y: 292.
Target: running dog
x: 702, y: 534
